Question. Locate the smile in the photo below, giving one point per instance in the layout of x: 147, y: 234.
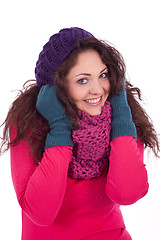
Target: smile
x: 94, y: 101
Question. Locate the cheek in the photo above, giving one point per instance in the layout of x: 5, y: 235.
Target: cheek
x: 107, y: 87
x: 74, y: 93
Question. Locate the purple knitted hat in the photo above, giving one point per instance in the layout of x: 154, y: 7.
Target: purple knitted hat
x: 55, y: 52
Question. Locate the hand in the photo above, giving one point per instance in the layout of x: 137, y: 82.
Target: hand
x: 120, y: 99
x: 52, y: 110
x: 48, y: 104
x: 122, y: 124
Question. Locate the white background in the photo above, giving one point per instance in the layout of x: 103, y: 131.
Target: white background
x: 133, y: 27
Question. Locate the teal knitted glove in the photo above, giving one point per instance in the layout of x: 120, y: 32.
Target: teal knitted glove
x: 52, y: 110
x: 122, y: 124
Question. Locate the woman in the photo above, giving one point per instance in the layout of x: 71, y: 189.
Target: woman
x: 76, y: 139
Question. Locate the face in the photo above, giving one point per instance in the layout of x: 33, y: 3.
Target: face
x: 88, y: 83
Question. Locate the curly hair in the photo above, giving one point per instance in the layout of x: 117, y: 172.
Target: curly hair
x: 32, y: 127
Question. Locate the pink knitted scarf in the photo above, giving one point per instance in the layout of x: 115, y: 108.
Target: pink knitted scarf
x: 91, y: 144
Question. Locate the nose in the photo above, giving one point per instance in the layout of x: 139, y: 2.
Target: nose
x: 96, y: 88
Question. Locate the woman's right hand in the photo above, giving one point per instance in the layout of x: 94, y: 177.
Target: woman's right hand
x: 52, y: 110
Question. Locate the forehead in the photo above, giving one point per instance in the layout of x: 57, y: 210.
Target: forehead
x: 88, y: 60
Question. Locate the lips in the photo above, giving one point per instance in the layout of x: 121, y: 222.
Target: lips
x: 94, y: 100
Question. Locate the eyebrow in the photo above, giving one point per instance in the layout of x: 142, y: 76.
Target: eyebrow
x: 88, y: 74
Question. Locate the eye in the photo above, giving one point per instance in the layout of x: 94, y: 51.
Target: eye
x: 104, y: 75
x: 82, y: 81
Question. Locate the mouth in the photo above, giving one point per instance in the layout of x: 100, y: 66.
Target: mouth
x: 94, y: 101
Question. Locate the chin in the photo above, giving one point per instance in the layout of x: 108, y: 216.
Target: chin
x: 96, y: 113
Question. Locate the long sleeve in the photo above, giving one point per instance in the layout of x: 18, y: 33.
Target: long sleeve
x: 127, y: 179
x: 40, y: 188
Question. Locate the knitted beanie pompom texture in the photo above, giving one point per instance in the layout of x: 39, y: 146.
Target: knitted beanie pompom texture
x: 55, y: 51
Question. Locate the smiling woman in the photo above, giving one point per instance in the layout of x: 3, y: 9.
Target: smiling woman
x: 88, y: 83
x: 76, y: 139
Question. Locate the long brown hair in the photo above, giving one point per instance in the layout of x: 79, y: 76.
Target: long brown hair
x: 32, y: 127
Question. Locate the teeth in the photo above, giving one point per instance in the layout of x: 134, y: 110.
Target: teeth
x: 93, y: 100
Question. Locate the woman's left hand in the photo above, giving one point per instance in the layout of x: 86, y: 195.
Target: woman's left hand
x: 122, y: 124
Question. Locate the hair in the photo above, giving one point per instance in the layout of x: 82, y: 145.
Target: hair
x: 32, y: 127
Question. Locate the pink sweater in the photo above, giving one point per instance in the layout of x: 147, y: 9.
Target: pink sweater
x: 56, y: 207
